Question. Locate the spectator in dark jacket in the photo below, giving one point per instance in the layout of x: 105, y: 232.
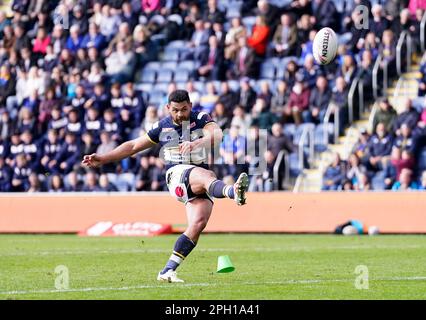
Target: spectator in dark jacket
x: 318, y: 101
x: 5, y: 175
x: 326, y: 15
x: 21, y: 173
x: 105, y: 185
x: 386, y: 114
x: 247, y: 95
x: 378, y: 24
x: 245, y: 63
x: 212, y: 61
x: 68, y: 156
x: 380, y: 147
x: 410, y: 116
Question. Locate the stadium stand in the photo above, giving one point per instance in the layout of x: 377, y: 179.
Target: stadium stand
x: 53, y: 73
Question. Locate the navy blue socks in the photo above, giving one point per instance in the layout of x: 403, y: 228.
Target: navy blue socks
x: 218, y: 189
x: 182, y: 249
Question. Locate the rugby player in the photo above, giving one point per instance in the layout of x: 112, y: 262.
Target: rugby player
x: 186, y: 139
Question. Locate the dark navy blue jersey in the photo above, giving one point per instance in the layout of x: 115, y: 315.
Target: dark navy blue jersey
x: 169, y: 135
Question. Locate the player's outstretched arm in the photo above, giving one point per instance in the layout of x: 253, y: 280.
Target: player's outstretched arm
x: 123, y: 151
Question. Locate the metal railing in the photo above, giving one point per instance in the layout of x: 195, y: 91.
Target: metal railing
x: 403, y: 38
x: 423, y: 32
x: 351, y: 97
x: 336, y: 123
x: 371, y: 118
x: 282, y: 156
x: 375, y: 80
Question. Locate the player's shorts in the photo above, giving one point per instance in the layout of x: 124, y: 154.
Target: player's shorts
x: 177, y: 179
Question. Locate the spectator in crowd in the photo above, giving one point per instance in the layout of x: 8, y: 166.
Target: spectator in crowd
x: 318, y: 101
x: 236, y: 31
x: 120, y: 64
x: 404, y: 140
x: 212, y: 60
x: 91, y: 182
x: 68, y: 155
x: 269, y: 12
x: 385, y: 114
x: 105, y: 185
x: 405, y: 181
x: 74, y: 182
x: 378, y: 23
x: 259, y: 37
x: 339, y: 98
x: 409, y: 116
x: 262, y: 116
x: 34, y: 183
x: 387, y: 49
x: 220, y: 116
x: 298, y: 103
x: 285, y: 37
x: 325, y: 15
x: 355, y: 169
x: 21, y: 173
x: 247, y: 95
x: 56, y: 183
x: 245, y: 63
x: 334, y: 174
x: 380, y: 147
x: 232, y: 151
x: 280, y: 98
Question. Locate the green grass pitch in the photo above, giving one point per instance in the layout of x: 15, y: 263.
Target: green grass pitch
x: 267, y: 267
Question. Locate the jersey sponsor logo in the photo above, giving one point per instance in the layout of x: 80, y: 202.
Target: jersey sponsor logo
x: 167, y: 129
x: 179, y: 192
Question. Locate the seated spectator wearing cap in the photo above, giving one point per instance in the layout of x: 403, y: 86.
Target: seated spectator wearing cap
x: 298, y: 102
x: 334, y: 174
x: 79, y: 18
x: 319, y: 100
x: 405, y: 181
x: 75, y: 39
x: 285, y: 37
x: 385, y: 114
x: 259, y: 37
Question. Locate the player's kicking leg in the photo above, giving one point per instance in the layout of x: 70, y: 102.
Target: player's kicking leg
x: 205, y: 181
x: 198, y: 213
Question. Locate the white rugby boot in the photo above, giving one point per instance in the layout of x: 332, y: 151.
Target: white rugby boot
x: 240, y: 189
x: 170, y: 276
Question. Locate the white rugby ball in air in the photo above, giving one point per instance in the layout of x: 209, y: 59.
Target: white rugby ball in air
x: 325, y: 46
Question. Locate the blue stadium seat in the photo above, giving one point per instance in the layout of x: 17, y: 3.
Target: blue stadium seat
x: 187, y: 64
x: 267, y: 71
x: 200, y: 86
x: 171, y: 65
x: 161, y: 86
x: 144, y: 87
x: 378, y: 181
x: 319, y: 144
x: 171, y: 54
x: 156, y: 97
x: 234, y: 85
x: 165, y: 75
x: 177, y: 44
x: 233, y: 10
x: 294, y: 164
x: 181, y: 75
x: 153, y: 65
x: 289, y: 129
x: 418, y: 103
x: 148, y: 75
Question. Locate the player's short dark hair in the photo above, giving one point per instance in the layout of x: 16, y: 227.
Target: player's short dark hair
x: 179, y: 96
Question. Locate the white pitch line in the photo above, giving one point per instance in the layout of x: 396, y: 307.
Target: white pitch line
x: 256, y: 249
x: 173, y: 286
